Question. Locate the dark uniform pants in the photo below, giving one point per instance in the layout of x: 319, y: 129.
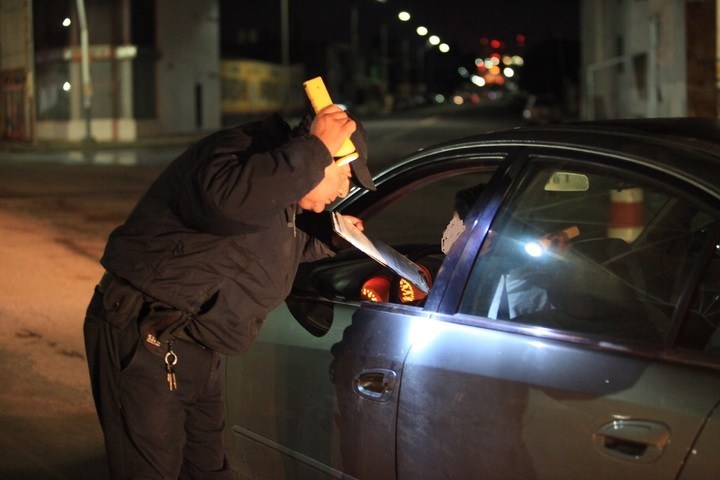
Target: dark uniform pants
x: 150, y: 431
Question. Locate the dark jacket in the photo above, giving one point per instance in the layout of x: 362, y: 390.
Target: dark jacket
x: 215, y: 234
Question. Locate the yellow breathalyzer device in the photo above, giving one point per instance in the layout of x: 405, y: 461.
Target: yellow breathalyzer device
x: 319, y: 99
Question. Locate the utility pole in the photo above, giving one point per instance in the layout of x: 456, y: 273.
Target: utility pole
x: 85, y: 68
x: 285, y: 53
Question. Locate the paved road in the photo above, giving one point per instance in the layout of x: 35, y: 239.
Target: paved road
x: 57, y: 206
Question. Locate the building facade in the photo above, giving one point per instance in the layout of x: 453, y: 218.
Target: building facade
x: 108, y: 70
x: 649, y: 58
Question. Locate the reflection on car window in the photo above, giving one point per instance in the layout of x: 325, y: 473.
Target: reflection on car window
x: 701, y: 330
x: 600, y: 254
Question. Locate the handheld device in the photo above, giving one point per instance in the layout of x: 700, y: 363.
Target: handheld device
x: 320, y: 98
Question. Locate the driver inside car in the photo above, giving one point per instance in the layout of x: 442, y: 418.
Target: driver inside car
x: 519, y: 291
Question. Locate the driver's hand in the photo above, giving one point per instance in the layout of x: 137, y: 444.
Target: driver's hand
x: 560, y: 242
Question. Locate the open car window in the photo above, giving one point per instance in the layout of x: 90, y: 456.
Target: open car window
x: 411, y: 219
x: 419, y: 213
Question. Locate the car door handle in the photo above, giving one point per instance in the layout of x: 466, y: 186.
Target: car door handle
x: 376, y: 384
x: 639, y: 440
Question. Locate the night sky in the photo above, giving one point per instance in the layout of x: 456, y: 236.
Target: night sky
x: 461, y: 23
x: 252, y: 30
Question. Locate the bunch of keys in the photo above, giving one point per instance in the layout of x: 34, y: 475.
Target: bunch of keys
x: 170, y: 361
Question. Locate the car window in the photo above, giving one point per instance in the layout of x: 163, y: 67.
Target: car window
x: 420, y: 213
x: 588, y: 250
x: 700, y: 330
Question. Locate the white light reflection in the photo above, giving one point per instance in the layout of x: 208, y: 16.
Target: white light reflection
x: 422, y: 333
x: 538, y: 344
x: 534, y: 249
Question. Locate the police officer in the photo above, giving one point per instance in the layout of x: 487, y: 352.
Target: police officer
x: 207, y: 252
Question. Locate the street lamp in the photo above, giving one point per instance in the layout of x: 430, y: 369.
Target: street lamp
x: 85, y: 67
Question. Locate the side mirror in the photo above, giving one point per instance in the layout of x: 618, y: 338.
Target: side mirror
x: 315, y: 317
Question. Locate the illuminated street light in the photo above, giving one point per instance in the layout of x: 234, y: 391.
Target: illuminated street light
x: 444, y: 47
x: 434, y: 39
x: 404, y: 16
x: 478, y: 80
x: 422, y: 31
x: 508, y: 72
x: 66, y: 22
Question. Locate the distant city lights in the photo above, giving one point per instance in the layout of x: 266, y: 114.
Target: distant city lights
x: 444, y: 47
x: 478, y: 80
x: 66, y: 22
x: 404, y: 16
x: 422, y: 31
x: 434, y: 40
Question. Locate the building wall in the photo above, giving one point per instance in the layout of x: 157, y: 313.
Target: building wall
x: 648, y: 58
x: 188, y: 71
x: 701, y: 57
x: 13, y: 34
x: 180, y: 72
x: 16, y: 73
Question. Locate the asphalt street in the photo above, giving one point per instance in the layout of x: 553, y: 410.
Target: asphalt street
x: 58, y: 203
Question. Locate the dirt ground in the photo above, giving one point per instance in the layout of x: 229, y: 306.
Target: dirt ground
x: 54, y: 220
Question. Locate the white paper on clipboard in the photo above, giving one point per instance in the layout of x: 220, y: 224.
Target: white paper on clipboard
x: 380, y: 252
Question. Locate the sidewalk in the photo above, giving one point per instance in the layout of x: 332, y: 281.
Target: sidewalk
x: 47, y: 419
x: 54, y: 220
x: 65, y: 145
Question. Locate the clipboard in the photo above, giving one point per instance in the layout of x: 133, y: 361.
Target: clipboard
x: 381, y: 252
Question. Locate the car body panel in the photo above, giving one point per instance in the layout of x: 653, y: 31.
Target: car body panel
x: 522, y: 404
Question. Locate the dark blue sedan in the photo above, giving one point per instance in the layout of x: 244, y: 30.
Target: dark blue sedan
x: 570, y: 331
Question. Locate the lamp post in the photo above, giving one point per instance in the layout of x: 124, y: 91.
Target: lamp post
x: 285, y: 52
x: 85, y: 68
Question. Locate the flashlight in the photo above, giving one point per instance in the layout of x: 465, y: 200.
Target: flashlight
x: 551, y: 241
x: 320, y: 98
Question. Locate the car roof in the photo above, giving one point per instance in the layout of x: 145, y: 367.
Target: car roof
x: 688, y: 147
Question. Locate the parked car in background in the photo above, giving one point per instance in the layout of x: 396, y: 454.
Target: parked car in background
x: 543, y: 109
x: 571, y: 331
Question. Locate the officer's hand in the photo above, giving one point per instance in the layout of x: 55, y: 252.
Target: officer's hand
x: 332, y: 126
x: 355, y: 221
x: 335, y: 183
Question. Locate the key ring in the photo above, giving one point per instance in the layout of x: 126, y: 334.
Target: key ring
x: 174, y: 358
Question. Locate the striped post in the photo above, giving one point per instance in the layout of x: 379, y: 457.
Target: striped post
x: 626, y: 214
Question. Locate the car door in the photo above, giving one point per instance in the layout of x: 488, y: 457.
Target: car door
x: 314, y: 397
x: 586, y: 360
